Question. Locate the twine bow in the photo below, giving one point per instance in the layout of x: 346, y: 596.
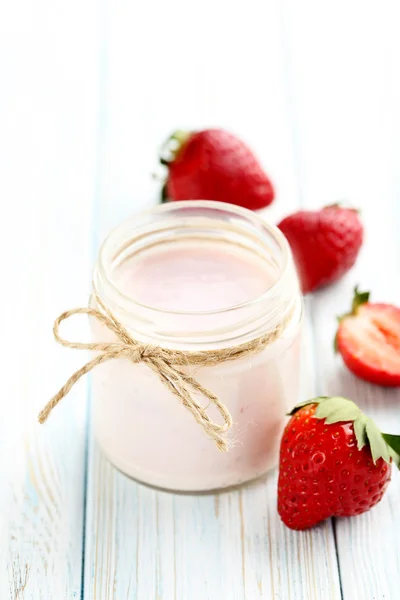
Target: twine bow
x: 168, y: 364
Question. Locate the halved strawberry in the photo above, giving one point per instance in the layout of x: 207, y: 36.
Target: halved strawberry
x: 368, y: 339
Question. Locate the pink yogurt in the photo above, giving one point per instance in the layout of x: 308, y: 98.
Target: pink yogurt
x: 141, y: 427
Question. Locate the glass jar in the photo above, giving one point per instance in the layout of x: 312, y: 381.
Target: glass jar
x: 192, y: 276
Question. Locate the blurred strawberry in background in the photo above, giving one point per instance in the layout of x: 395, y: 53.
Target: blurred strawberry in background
x: 325, y: 243
x: 214, y: 165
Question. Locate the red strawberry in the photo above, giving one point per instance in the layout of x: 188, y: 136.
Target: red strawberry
x: 368, y: 339
x: 325, y: 243
x: 214, y: 165
x: 334, y: 461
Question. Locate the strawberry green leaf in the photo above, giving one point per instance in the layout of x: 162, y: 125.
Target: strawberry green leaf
x: 395, y: 457
x: 335, y: 344
x: 306, y: 403
x: 377, y: 444
x: 393, y: 441
x: 173, y: 145
x: 337, y: 409
x: 164, y: 193
x: 360, y: 431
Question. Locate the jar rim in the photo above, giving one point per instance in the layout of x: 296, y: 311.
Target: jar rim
x: 131, y: 223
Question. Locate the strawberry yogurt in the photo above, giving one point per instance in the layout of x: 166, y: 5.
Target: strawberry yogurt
x: 191, y: 276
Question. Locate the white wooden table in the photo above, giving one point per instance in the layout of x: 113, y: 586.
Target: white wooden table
x: 88, y: 91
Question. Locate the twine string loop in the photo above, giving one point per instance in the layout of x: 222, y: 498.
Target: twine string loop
x: 169, y: 365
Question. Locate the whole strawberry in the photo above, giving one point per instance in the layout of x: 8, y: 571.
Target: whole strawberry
x: 334, y: 461
x: 325, y: 243
x: 368, y: 340
x: 214, y: 165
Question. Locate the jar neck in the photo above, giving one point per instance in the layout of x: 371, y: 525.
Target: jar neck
x: 198, y: 222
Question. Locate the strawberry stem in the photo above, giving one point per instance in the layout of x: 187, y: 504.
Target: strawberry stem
x: 358, y: 299
x: 343, y: 204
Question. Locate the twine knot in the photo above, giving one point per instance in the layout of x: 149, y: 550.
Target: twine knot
x: 169, y: 365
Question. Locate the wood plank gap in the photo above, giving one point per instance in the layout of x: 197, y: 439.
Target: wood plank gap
x: 320, y: 392
x: 85, y: 485
x: 101, y: 40
x: 334, y: 523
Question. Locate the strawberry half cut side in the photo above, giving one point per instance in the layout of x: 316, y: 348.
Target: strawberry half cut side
x: 368, y: 340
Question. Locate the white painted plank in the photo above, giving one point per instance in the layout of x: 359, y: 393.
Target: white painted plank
x: 167, y: 68
x: 347, y: 95
x: 47, y: 152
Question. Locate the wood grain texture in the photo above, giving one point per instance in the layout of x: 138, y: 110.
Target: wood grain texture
x: 315, y: 89
x: 347, y: 98
x: 47, y: 151
x: 142, y: 543
x: 145, y: 543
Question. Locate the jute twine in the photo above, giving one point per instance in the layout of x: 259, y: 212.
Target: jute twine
x: 169, y: 365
